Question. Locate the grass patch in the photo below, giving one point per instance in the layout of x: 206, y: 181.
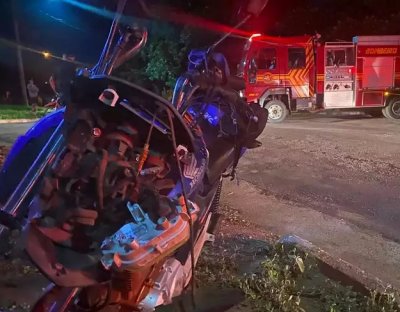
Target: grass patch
x: 285, y: 279
x: 20, y: 112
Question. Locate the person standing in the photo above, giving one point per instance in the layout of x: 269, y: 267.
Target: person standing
x: 33, y: 93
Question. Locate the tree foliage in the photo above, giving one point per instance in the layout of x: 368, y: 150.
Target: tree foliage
x: 162, y: 60
x: 165, y: 58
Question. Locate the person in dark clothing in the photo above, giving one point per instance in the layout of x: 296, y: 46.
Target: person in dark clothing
x: 62, y: 79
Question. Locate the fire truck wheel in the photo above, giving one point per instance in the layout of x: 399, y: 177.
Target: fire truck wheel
x: 277, y: 111
x: 385, y: 113
x: 392, y: 110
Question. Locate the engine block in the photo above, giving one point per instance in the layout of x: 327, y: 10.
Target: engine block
x: 142, y: 242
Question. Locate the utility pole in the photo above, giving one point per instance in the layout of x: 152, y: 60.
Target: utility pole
x: 19, y: 54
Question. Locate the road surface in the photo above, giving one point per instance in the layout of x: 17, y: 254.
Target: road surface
x: 333, y: 181
x: 9, y: 132
x: 336, y: 166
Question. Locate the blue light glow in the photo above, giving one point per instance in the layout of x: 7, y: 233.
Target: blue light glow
x: 90, y: 8
x: 210, y: 112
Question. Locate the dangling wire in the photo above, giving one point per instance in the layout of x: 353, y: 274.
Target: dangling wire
x: 171, y: 122
x: 146, y: 149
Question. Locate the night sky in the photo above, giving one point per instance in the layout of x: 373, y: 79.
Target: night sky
x: 58, y: 27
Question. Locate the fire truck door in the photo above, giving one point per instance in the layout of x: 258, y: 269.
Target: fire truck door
x: 267, y: 64
x: 298, y: 66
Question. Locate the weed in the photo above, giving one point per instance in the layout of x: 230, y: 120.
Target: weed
x: 288, y: 280
x: 221, y: 270
x: 275, y: 287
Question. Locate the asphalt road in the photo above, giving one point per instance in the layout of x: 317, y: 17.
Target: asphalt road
x: 332, y: 181
x: 9, y: 132
x: 334, y: 166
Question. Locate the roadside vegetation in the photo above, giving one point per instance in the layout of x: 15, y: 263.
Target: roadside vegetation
x: 285, y: 279
x: 20, y: 112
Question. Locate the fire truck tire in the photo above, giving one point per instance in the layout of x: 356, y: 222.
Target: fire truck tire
x: 277, y: 111
x: 392, y: 110
x: 384, y: 113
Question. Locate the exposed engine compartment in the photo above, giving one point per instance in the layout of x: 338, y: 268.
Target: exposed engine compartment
x: 95, y: 178
x: 106, y: 209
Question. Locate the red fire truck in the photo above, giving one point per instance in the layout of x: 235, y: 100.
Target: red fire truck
x: 298, y: 73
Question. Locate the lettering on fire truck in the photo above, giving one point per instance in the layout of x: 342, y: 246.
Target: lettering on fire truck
x: 381, y: 51
x: 378, y: 51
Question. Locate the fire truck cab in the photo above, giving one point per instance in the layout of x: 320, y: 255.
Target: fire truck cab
x: 285, y: 75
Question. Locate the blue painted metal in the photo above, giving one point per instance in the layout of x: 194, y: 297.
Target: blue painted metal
x: 51, y: 120
x: 196, y: 58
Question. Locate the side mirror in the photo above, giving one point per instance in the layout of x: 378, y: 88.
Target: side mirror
x: 255, y: 7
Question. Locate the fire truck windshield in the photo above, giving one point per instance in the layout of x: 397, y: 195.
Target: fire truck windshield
x: 241, y: 66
